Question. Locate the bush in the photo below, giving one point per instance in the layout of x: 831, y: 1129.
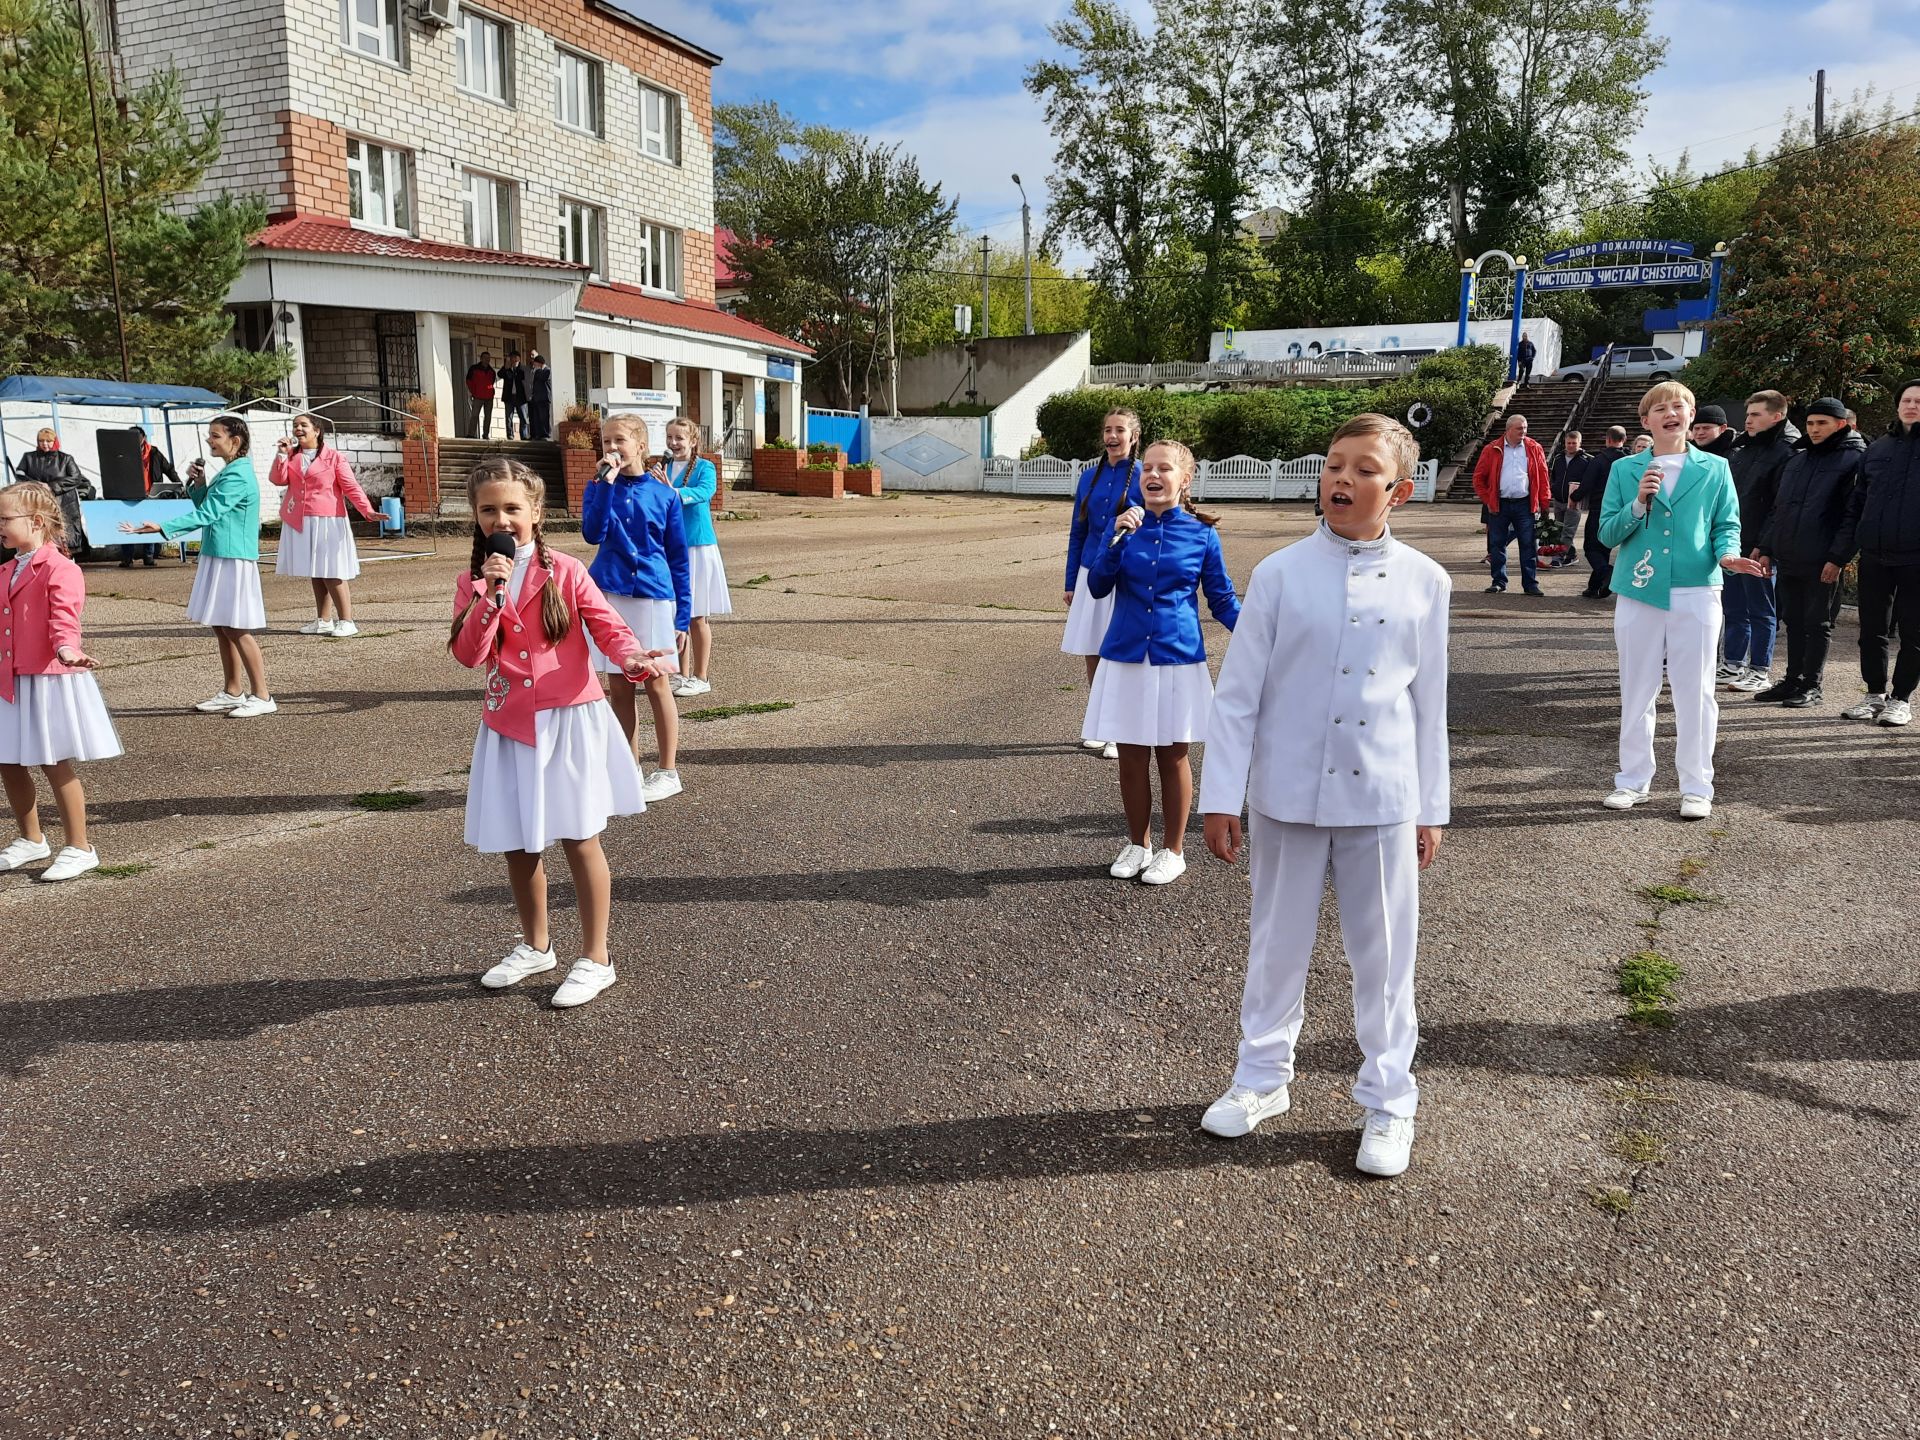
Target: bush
x: 1456, y: 385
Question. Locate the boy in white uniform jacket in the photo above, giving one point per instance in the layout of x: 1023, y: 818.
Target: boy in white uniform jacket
x: 1330, y: 722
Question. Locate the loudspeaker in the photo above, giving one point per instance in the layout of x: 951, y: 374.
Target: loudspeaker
x: 121, y: 477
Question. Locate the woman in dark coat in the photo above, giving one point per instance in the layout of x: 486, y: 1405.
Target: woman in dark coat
x: 60, y: 473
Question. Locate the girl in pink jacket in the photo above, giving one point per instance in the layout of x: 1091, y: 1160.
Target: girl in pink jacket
x: 315, y: 541
x: 51, y: 713
x: 550, y: 762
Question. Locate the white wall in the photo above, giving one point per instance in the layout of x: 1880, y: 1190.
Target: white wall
x: 932, y: 452
x: 1016, y: 420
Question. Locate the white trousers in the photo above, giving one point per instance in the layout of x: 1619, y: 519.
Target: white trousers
x: 1683, y: 644
x: 1376, y: 886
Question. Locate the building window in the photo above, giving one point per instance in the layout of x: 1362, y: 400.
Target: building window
x: 659, y: 124
x: 660, y: 259
x: 582, y: 232
x: 576, y: 92
x: 487, y: 207
x: 372, y: 27
x: 483, y: 57
x: 377, y: 186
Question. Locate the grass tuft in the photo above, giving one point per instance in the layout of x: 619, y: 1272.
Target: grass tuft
x: 727, y: 712
x: 756, y: 580
x: 1646, y: 980
x: 122, y: 872
x: 388, y: 800
x: 1613, y: 1200
x: 1691, y: 867
x: 1642, y: 1147
x: 995, y: 605
x: 1674, y: 895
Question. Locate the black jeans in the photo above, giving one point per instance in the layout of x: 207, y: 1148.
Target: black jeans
x: 1808, y: 610
x: 1889, y: 593
x: 480, y: 418
x: 1599, y: 557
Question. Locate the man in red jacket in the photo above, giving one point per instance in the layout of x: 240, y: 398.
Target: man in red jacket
x: 1511, y: 480
x: 480, y: 382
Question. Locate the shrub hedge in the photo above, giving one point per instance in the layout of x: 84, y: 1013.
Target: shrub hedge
x: 1456, y: 385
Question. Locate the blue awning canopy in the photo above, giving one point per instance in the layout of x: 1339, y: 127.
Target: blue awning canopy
x: 72, y: 390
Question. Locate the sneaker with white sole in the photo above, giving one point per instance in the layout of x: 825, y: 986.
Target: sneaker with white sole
x: 251, y: 706
x: 1727, y: 672
x: 343, y: 630
x: 317, y: 627
x: 1093, y: 744
x: 1109, y: 751
x: 1386, y: 1143
x: 660, y: 785
x: 1240, y: 1111
x: 585, y: 980
x: 677, y: 683
x: 220, y: 702
x: 24, y: 852
x: 524, y: 961
x: 1752, y: 682
x: 1130, y: 862
x: 1867, y: 709
x: 70, y: 862
x: 1166, y: 867
x: 1695, y: 807
x: 1897, y: 712
x: 1625, y: 799
x: 696, y: 686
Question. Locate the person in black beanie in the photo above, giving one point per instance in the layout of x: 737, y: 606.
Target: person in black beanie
x: 1883, y: 522
x: 1710, y: 432
x: 1806, y: 546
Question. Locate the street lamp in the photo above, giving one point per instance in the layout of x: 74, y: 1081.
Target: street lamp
x: 1026, y: 247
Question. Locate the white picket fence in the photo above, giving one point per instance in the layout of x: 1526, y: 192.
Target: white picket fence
x: 1338, y: 365
x: 1239, y: 477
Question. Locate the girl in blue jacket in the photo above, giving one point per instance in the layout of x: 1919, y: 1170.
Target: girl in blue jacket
x: 635, y: 519
x: 693, y: 476
x: 1151, y: 691
x: 1107, y: 487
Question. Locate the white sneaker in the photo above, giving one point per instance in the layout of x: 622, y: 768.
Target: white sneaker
x: 1752, y: 682
x: 23, y: 852
x: 251, y: 706
x: 317, y: 627
x: 584, y: 981
x: 677, y: 683
x: 342, y: 630
x: 524, y: 961
x: 1624, y: 799
x: 1867, y: 709
x: 1093, y: 744
x: 695, y: 686
x: 1240, y: 1111
x: 1695, y: 807
x: 1727, y: 672
x: 1386, y: 1143
x: 1166, y: 867
x: 222, y: 701
x: 1898, y: 712
x: 69, y: 863
x: 1131, y: 860
x: 658, y: 786
x: 1109, y: 751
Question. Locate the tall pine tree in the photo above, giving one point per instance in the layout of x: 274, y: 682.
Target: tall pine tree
x: 176, y: 266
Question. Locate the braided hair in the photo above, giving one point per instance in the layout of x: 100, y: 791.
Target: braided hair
x: 1132, y: 417
x: 1188, y: 467
x: 555, y: 618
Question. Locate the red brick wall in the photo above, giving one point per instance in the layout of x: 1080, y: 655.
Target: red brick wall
x: 696, y: 265
x: 314, y: 153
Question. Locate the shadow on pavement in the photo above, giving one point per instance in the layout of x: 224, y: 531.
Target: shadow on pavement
x: 709, y: 1169
x: 874, y: 757
x: 167, y: 806
x: 183, y: 1014
x: 314, y: 702
x: 906, y: 885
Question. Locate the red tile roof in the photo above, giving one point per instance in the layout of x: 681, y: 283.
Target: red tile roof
x: 322, y: 236
x: 629, y: 303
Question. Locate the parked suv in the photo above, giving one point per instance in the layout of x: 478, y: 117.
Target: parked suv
x: 1631, y: 362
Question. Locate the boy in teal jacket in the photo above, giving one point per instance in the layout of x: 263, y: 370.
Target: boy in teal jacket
x: 1674, y: 517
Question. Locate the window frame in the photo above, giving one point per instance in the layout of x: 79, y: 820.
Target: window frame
x: 501, y: 28
x: 674, y: 123
x: 596, y: 77
x: 403, y: 190
x: 649, y: 230
x: 596, y: 259
x: 505, y: 213
x: 392, y: 33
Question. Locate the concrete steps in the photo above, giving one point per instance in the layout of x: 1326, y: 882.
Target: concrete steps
x: 457, y: 457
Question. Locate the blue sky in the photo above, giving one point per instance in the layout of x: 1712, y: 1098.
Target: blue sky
x: 943, y: 76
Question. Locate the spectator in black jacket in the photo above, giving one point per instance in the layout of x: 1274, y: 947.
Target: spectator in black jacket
x: 1807, y: 547
x: 1523, y: 357
x: 539, y: 399
x: 1587, y: 496
x: 513, y: 396
x: 1710, y: 432
x: 1747, y: 601
x: 1883, y: 523
x: 1569, y: 471
x: 60, y: 473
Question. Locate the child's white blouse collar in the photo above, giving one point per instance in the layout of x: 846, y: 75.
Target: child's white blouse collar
x: 1357, y: 547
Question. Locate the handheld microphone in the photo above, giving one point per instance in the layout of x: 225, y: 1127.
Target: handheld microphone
x: 500, y: 543
x: 608, y: 464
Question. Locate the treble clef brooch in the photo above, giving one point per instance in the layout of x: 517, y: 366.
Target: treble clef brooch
x: 498, y: 687
x: 1643, y: 571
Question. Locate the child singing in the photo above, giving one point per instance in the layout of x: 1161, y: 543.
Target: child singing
x: 1107, y: 488
x: 1330, y: 725
x: 316, y: 541
x: 692, y: 474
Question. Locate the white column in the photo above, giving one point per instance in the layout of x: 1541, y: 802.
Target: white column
x: 792, y: 421
x: 293, y: 340
x: 667, y: 376
x: 435, y: 344
x: 559, y: 353
x: 712, y: 406
x: 757, y: 403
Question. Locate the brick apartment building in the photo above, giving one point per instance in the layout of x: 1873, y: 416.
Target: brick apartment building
x: 446, y: 179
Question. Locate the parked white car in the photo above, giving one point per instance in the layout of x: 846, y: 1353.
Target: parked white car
x: 1631, y: 362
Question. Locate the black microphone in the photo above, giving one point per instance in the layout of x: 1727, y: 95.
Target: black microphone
x: 500, y: 543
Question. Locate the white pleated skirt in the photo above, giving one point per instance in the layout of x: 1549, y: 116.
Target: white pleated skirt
x: 227, y: 593
x: 1134, y: 703
x: 578, y: 774
x: 1087, y: 620
x: 709, y: 577
x: 321, y: 549
x: 650, y: 620
x: 53, y: 718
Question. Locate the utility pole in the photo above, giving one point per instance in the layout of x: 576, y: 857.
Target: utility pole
x: 893, y: 350
x: 106, y: 209
x: 1026, y: 247
x: 986, y: 292
x: 1819, y: 107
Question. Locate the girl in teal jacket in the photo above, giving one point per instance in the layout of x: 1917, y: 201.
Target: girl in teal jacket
x: 693, y: 476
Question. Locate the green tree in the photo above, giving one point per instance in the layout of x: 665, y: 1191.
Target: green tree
x: 176, y: 267
x: 749, y: 142
x: 1060, y: 300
